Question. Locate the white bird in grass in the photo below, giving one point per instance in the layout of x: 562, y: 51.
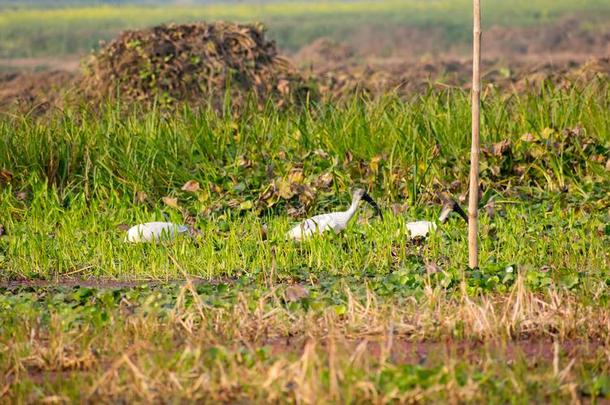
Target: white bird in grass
x: 335, y: 221
x: 421, y: 229
x: 155, y: 232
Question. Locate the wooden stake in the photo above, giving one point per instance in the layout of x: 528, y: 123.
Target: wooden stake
x: 473, y: 193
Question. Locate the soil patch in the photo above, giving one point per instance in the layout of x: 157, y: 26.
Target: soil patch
x: 103, y: 283
x: 406, y: 78
x: 34, y: 91
x: 403, y: 351
x: 69, y: 63
x: 38, y: 92
x: 324, y: 52
x: 566, y: 39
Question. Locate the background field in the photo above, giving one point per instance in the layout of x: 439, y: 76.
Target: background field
x: 54, y: 32
x: 238, y: 313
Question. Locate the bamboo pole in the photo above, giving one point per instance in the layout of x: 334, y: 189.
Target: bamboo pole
x: 473, y: 193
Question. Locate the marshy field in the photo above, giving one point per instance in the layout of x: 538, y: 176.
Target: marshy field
x: 239, y: 144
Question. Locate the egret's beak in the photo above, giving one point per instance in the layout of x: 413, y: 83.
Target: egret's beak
x: 456, y: 207
x: 373, y: 204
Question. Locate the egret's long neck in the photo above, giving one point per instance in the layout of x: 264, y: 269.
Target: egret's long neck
x: 352, y: 209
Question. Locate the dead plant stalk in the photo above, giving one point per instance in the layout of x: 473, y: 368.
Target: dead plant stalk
x: 473, y: 198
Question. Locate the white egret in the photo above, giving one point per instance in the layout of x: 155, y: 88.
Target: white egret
x: 335, y: 221
x: 155, y: 232
x: 421, y: 229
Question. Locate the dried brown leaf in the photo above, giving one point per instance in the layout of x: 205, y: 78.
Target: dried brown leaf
x: 398, y: 209
x: 195, y: 232
x: 436, y: 150
x: 140, y: 197
x: 348, y: 157
x: 455, y: 186
x: 573, y: 132
x: 244, y: 162
x: 498, y: 149
x: 374, y: 165
x: 295, y: 293
x: 283, y: 86
x: 528, y: 137
x: 295, y: 176
x: 285, y: 190
x: 296, y: 212
x: 191, y: 186
x: 490, y: 208
x: 537, y: 151
x: 306, y: 195
x: 320, y: 153
x: 432, y: 268
x: 598, y: 158
x: 5, y: 176
x: 268, y: 193
x: 171, y: 202
x: 234, y: 203
x: 189, y: 219
x: 520, y: 169
x: 324, y: 181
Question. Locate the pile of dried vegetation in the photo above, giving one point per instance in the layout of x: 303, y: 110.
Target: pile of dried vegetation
x: 194, y: 63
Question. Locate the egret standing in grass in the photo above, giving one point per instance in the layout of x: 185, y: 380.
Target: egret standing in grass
x: 155, y: 232
x: 421, y: 229
x: 335, y: 221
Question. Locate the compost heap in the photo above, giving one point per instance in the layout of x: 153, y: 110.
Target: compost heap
x: 198, y: 64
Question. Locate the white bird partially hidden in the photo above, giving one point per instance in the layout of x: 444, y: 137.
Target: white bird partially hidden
x: 155, y: 232
x: 421, y: 229
x: 335, y: 221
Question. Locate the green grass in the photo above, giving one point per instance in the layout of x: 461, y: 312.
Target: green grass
x: 53, y: 32
x: 79, y: 177
x: 371, y: 297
